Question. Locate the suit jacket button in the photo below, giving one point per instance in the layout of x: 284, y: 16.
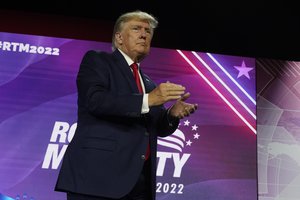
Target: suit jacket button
x: 143, y: 157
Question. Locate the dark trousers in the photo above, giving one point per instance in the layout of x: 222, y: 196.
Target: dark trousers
x: 141, y: 190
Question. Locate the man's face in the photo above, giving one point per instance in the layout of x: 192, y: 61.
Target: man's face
x: 135, y: 39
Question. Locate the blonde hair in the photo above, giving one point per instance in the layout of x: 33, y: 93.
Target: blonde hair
x: 139, y: 15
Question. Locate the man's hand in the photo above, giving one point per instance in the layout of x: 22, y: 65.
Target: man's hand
x: 165, y: 92
x: 182, y: 109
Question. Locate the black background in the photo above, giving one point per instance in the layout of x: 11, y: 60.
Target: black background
x: 264, y: 29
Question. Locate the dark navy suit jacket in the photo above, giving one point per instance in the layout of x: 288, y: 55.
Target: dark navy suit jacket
x: 106, y: 154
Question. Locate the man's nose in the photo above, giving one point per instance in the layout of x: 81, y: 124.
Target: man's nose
x: 144, y: 32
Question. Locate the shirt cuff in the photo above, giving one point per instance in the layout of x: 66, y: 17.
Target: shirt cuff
x: 145, y: 106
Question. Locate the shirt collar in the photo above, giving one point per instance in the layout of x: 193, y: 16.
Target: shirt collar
x: 127, y: 58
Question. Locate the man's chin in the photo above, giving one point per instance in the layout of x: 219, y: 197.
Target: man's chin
x: 144, y: 51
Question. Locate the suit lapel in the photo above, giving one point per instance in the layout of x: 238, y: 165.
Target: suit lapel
x: 146, y: 81
x: 125, y: 69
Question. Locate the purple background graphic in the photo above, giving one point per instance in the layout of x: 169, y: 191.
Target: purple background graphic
x: 38, y: 90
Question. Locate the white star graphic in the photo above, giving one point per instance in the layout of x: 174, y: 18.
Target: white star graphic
x: 243, y: 70
x: 186, y: 122
x: 189, y: 143
x: 194, y: 127
x: 196, y: 136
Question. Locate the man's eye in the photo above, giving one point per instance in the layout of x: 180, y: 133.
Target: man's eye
x: 138, y: 29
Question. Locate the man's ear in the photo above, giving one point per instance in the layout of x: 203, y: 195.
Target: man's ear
x: 118, y: 38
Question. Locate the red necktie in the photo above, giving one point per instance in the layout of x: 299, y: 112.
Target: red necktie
x: 134, y: 67
x: 135, y: 71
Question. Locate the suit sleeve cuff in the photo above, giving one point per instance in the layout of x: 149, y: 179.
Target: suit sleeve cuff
x: 173, y: 121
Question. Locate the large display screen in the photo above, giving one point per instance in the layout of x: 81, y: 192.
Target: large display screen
x: 212, y: 154
x: 278, y: 142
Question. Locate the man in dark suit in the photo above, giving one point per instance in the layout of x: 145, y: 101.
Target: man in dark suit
x: 109, y: 157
